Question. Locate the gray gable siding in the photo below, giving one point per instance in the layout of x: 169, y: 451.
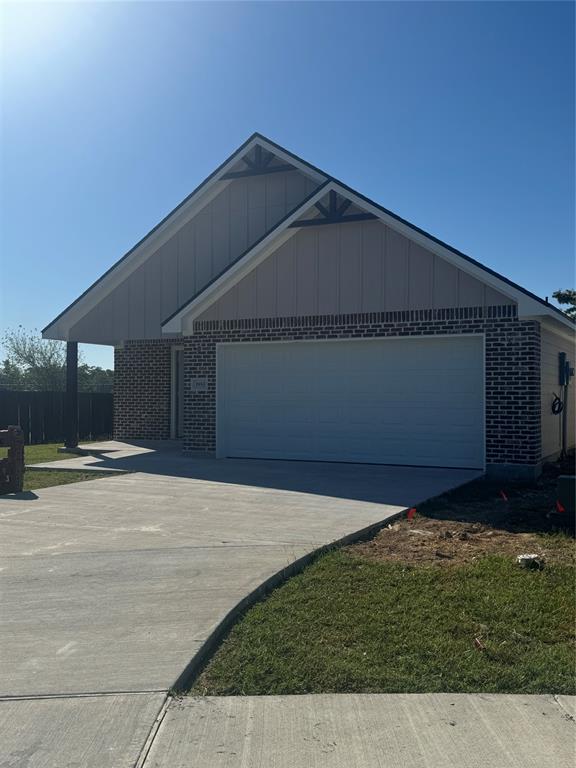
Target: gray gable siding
x: 202, y: 248
x: 350, y: 268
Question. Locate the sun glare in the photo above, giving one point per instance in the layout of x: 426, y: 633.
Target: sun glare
x: 32, y: 28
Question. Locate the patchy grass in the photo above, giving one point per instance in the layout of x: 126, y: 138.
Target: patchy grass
x: 45, y: 478
x: 391, y: 615
x: 38, y: 454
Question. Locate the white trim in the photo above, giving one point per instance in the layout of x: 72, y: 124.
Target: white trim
x: 221, y: 453
x: 241, y: 268
x: 62, y: 325
x: 527, y: 306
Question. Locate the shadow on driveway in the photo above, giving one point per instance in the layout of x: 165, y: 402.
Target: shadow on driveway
x: 400, y: 485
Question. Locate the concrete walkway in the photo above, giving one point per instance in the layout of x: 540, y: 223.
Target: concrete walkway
x: 367, y: 731
x: 110, y: 587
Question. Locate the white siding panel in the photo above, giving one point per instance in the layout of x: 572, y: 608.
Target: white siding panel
x: 153, y: 273
x: 328, y: 269
x: 137, y: 303
x: 350, y: 267
x: 220, y: 213
x: 307, y: 274
x: 373, y: 263
x: 187, y: 263
x: 247, y: 297
x: 445, y: 289
x: 266, y: 288
x: 396, y: 275
x: 244, y: 211
x: 360, y: 267
x: 286, y: 276
x: 421, y: 281
x: 203, y: 247
x: 471, y: 291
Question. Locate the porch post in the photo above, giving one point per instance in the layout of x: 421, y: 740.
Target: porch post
x: 71, y: 422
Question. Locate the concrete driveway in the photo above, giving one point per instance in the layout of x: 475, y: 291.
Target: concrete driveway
x: 110, y: 587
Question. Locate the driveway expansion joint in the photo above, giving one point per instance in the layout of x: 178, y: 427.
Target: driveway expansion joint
x: 79, y: 695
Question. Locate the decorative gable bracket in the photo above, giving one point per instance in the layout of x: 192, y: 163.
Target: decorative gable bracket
x: 259, y: 165
x: 334, y: 213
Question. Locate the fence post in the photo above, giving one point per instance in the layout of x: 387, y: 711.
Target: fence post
x: 71, y: 441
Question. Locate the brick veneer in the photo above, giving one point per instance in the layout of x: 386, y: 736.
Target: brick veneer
x: 142, y: 372
x: 512, y: 366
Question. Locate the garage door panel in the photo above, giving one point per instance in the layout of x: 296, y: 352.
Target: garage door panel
x: 409, y: 401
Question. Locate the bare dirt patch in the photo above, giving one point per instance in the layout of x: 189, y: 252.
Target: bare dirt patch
x: 479, y: 519
x: 446, y: 543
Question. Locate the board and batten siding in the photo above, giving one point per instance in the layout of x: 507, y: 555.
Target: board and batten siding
x: 244, y: 211
x: 348, y: 269
x: 551, y: 345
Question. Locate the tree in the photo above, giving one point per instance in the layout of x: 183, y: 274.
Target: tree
x: 567, y: 297
x: 11, y: 376
x: 42, y: 364
x: 92, y: 378
x: 36, y: 364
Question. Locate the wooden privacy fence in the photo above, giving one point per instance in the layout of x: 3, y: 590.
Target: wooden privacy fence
x: 41, y: 414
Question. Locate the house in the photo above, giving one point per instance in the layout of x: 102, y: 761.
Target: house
x: 278, y: 313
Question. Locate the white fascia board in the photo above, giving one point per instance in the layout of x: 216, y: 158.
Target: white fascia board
x: 527, y: 306
x: 241, y: 268
x: 61, y: 326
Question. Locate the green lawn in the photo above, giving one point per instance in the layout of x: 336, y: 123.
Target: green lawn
x: 348, y: 624
x: 437, y: 604
x: 38, y: 454
x: 45, y: 478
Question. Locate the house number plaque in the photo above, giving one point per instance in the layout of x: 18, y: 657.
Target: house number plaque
x: 199, y: 384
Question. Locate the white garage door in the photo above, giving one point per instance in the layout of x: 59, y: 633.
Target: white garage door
x: 395, y: 401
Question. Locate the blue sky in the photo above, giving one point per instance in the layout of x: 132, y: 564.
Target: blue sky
x: 458, y: 116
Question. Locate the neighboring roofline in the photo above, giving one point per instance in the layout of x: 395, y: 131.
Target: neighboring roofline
x: 255, y: 138
x: 269, y: 238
